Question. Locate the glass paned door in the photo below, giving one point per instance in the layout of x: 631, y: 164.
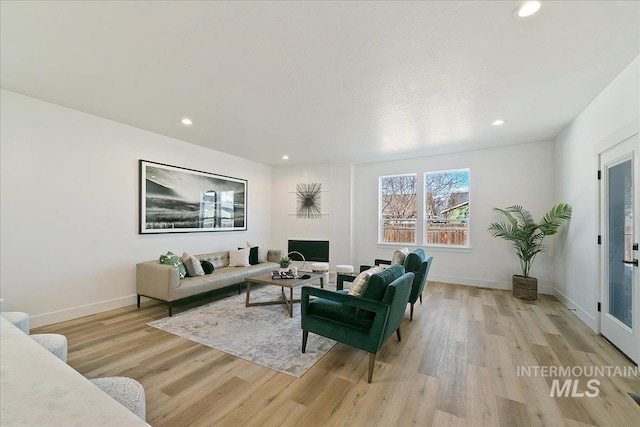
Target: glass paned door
x: 620, y: 278
x: 620, y: 205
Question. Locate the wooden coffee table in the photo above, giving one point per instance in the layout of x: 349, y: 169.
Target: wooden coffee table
x: 266, y: 279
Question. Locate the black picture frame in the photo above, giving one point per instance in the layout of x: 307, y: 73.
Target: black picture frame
x: 180, y: 200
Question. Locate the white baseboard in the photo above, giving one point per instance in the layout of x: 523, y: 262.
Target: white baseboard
x: 582, y: 314
x: 89, y: 309
x: 483, y: 283
x: 81, y: 311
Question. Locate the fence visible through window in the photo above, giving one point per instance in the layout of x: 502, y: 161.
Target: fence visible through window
x: 446, y: 233
x: 398, y: 208
x: 446, y: 208
x: 398, y: 231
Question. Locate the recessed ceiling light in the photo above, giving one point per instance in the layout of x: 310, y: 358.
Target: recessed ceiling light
x: 527, y: 8
x: 187, y: 122
x: 285, y: 157
x: 498, y: 122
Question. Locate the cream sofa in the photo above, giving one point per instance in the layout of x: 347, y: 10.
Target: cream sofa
x: 162, y: 282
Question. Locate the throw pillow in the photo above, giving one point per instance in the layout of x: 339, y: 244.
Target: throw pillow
x: 263, y: 251
x: 253, y: 255
x: 399, y: 256
x: 239, y: 258
x: 207, y: 267
x: 360, y: 282
x: 172, y: 259
x: 192, y: 264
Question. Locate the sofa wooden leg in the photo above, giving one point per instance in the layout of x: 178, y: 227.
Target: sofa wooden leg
x: 420, y: 298
x: 138, y: 300
x: 398, y: 334
x: 411, y: 313
x: 372, y: 364
x: 305, y: 335
x: 170, y: 309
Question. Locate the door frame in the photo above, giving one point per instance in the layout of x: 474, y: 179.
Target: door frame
x: 619, y: 137
x: 608, y: 142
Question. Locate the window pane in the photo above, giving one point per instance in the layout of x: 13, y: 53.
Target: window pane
x: 620, y: 242
x: 398, y: 208
x: 447, y: 207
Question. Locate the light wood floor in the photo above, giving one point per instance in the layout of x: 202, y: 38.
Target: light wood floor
x: 456, y: 365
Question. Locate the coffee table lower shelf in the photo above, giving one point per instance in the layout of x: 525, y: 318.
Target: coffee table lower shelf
x: 266, y: 279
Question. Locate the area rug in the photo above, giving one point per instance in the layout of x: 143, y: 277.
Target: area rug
x: 265, y: 335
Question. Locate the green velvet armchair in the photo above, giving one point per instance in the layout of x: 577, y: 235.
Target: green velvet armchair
x: 364, y: 322
x: 415, y: 262
x: 419, y: 264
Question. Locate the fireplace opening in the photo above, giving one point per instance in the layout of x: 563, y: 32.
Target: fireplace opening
x: 312, y: 250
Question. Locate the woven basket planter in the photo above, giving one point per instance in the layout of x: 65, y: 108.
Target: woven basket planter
x: 525, y: 287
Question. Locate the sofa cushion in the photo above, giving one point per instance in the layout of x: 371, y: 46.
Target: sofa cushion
x: 172, y: 259
x: 338, y: 312
x: 239, y: 258
x: 207, y: 267
x: 192, y: 264
x: 217, y: 259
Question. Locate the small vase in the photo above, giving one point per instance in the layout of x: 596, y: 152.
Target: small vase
x: 283, y: 270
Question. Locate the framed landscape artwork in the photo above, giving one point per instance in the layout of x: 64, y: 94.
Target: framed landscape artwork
x: 179, y: 200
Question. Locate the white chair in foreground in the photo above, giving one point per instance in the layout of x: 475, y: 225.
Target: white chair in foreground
x: 55, y: 343
x: 127, y: 391
x: 19, y: 319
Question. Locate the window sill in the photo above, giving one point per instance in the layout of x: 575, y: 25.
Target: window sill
x: 427, y: 248
x: 447, y: 248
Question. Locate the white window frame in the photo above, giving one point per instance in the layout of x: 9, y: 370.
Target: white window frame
x: 381, y: 220
x: 426, y: 221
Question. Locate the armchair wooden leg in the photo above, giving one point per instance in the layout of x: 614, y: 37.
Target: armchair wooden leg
x: 138, y: 300
x: 305, y: 335
x: 398, y: 334
x: 411, y: 313
x: 420, y: 298
x: 372, y: 364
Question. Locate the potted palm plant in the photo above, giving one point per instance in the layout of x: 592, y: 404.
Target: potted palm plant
x: 526, y: 235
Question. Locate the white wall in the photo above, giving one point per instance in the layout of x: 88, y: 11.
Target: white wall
x: 499, y: 177
x: 610, y: 118
x: 69, y: 205
x: 336, y: 196
x: 69, y: 208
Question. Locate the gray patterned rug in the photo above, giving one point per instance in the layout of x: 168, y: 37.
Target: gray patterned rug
x: 265, y: 335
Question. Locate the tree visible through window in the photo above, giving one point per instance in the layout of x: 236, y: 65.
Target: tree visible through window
x: 446, y: 195
x: 398, y: 208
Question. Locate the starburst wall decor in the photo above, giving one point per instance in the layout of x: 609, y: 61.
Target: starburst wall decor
x: 308, y: 200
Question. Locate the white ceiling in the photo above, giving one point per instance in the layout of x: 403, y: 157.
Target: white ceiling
x: 322, y: 81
